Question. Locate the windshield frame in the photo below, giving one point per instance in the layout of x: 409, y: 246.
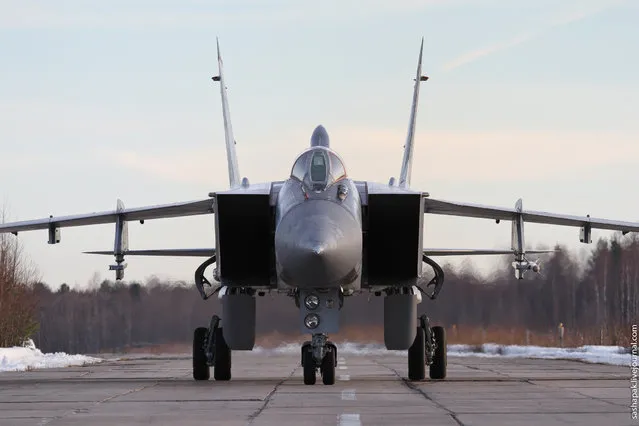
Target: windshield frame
x: 303, y: 168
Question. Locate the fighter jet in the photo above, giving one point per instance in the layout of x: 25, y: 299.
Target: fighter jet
x: 319, y: 237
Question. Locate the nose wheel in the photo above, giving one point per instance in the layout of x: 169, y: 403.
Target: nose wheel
x: 319, y: 354
x: 328, y: 368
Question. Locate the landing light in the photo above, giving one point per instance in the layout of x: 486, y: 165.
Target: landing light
x: 311, y: 301
x: 311, y: 321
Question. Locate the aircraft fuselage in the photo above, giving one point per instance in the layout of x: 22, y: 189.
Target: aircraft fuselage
x: 318, y: 237
x: 318, y: 225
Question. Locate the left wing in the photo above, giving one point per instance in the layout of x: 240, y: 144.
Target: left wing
x: 434, y: 206
x: 189, y: 208
x: 475, y: 252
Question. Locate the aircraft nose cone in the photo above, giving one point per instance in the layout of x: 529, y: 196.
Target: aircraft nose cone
x: 318, y: 244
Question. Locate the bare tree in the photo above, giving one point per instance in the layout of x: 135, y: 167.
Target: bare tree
x: 17, y: 304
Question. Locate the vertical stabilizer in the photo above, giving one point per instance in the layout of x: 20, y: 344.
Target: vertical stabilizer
x: 234, y: 171
x: 404, y: 177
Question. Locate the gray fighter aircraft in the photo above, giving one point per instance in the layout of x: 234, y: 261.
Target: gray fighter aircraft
x: 319, y: 237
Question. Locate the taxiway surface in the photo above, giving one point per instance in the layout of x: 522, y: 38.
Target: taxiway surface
x: 267, y: 389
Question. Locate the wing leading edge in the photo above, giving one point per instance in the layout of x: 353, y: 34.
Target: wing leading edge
x: 189, y: 208
x: 476, y: 252
x: 434, y: 206
x: 187, y: 252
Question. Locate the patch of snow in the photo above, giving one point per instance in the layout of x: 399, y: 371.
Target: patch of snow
x: 29, y: 357
x: 614, y: 355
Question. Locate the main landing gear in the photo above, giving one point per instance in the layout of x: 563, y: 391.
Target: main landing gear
x: 210, y: 350
x: 429, y: 348
x: 319, y: 353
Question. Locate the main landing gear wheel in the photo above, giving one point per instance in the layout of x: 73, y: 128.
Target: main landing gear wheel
x: 417, y: 357
x: 333, y: 348
x: 305, y: 348
x: 438, y: 367
x: 201, y: 369
x: 222, y: 354
x: 328, y: 368
x: 308, y: 362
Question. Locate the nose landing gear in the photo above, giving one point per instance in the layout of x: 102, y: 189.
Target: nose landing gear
x: 321, y: 354
x: 319, y: 315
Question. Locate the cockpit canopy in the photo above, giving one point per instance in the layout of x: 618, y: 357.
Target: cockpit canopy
x: 318, y: 168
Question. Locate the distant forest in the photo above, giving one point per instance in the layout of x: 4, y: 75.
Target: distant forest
x: 596, y: 302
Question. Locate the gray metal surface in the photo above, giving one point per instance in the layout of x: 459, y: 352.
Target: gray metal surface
x: 400, y: 320
x: 320, y: 137
x: 318, y: 243
x: 238, y: 321
x: 268, y: 390
x: 476, y: 252
x: 231, y: 156
x: 480, y: 211
x: 327, y: 311
x: 407, y: 160
x: 189, y: 208
x: 188, y: 252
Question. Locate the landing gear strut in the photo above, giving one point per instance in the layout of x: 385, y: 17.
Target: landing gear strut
x: 429, y: 348
x: 210, y: 350
x: 319, y: 353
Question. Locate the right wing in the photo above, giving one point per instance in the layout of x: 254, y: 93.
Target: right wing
x: 187, y: 252
x: 476, y: 252
x: 434, y: 206
x: 189, y: 208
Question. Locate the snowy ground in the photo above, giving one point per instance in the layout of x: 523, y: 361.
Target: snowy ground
x: 29, y: 357
x: 614, y: 355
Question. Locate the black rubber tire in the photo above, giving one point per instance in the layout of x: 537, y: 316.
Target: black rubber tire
x: 309, y: 368
x: 440, y: 360
x: 328, y: 368
x: 334, y: 347
x: 222, y: 369
x: 201, y: 369
x: 305, y: 345
x: 417, y: 357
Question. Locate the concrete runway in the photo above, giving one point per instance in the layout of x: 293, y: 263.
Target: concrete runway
x: 268, y: 390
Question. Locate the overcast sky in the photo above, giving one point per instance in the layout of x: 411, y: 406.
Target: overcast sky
x: 106, y: 100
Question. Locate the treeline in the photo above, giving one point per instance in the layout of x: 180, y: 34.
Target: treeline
x: 17, y: 304
x: 597, y: 297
